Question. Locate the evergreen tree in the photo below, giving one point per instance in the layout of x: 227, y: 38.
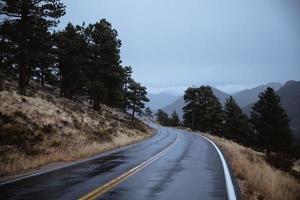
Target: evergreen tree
x: 162, y: 117
x: 236, y: 124
x: 271, y: 121
x: 189, y: 110
x: 105, y: 74
x: 44, y: 58
x: 136, y: 98
x: 148, y: 112
x: 23, y: 20
x: 6, y: 49
x: 203, y: 110
x: 71, y: 60
x: 126, y: 80
x: 174, y: 120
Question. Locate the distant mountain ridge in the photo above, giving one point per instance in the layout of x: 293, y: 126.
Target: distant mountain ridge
x: 290, y: 100
x: 289, y: 95
x: 244, y: 97
x: 160, y: 100
x: 248, y: 96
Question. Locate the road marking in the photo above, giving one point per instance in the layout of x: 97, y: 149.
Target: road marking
x: 116, y: 181
x: 229, y: 185
x: 29, y: 175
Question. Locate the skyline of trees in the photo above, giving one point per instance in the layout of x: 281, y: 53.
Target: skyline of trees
x: 25, y: 35
x: 83, y: 61
x: 271, y: 122
x: 268, y: 128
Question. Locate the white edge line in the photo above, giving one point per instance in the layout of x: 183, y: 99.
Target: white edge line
x: 229, y: 185
x: 76, y: 162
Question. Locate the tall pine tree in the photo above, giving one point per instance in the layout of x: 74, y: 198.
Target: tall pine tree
x: 71, y: 60
x: 174, y: 119
x: 148, y: 112
x: 104, y: 70
x: 236, y: 123
x: 136, y: 98
x: 162, y: 117
x: 271, y: 122
x: 126, y: 81
x: 23, y: 20
x: 203, y: 110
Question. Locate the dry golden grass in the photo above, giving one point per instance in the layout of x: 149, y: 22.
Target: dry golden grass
x: 256, y: 178
x: 42, y: 128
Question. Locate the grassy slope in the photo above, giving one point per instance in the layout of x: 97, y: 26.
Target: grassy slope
x: 42, y: 128
x: 256, y: 178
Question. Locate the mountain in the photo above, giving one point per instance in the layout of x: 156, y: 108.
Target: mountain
x: 290, y: 101
x: 244, y: 98
x: 289, y: 95
x: 248, y: 96
x: 160, y: 100
x: 178, y: 104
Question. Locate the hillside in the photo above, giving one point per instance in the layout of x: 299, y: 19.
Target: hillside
x: 290, y: 100
x: 289, y: 95
x: 178, y: 104
x: 248, y: 96
x: 160, y: 100
x: 42, y: 128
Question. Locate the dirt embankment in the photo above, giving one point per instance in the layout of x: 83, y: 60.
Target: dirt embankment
x: 42, y: 128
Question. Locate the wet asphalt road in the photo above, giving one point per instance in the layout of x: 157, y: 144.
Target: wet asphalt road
x: 190, y: 169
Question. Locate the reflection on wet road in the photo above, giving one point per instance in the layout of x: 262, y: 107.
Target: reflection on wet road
x: 191, y: 169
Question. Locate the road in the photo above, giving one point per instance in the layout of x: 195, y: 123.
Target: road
x: 174, y: 164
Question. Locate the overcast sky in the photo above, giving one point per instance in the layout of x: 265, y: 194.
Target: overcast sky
x: 172, y: 44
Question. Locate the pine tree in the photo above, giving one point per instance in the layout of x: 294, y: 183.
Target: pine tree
x: 136, y: 98
x: 105, y: 74
x: 203, y: 110
x: 148, y: 112
x: 162, y: 117
x: 23, y: 19
x: 71, y: 58
x: 271, y: 122
x: 236, y: 125
x: 174, y: 120
x: 191, y: 108
x: 126, y: 80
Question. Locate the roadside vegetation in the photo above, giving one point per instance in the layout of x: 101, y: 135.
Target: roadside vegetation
x: 62, y: 92
x: 257, y: 178
x: 164, y: 119
x: 43, y: 128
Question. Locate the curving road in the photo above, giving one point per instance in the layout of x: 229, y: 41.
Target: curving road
x: 174, y: 164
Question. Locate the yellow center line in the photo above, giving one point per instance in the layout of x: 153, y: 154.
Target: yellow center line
x: 116, y: 181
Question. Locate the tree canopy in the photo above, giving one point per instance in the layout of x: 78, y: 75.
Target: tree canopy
x: 203, y: 110
x: 271, y: 122
x: 83, y: 61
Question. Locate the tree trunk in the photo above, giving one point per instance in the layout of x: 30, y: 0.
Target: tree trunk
x: 193, y: 122
x: 42, y: 78
x: 96, y: 103
x: 133, y: 112
x: 22, y: 48
x: 22, y: 78
x: 268, y: 153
